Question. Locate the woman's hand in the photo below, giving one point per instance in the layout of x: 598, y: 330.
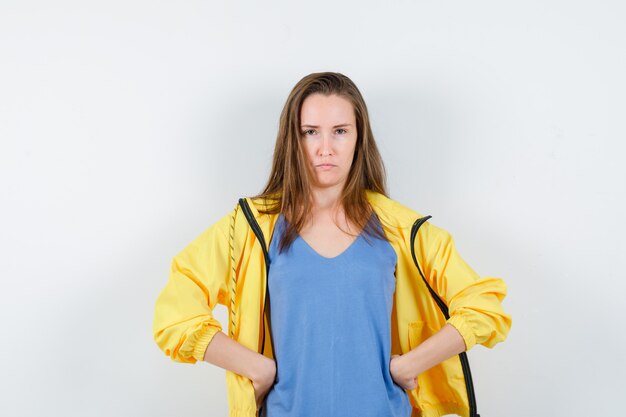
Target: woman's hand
x: 400, y: 374
x: 264, y: 380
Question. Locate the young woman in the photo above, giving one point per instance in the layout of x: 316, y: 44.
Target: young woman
x: 372, y: 309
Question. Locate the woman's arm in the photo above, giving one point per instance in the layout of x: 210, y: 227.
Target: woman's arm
x: 229, y: 354
x: 183, y: 323
x: 444, y: 344
x: 474, y: 306
x: 233, y: 356
x: 184, y: 326
x: 474, y: 302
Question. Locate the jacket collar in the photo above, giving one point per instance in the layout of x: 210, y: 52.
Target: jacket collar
x: 389, y: 212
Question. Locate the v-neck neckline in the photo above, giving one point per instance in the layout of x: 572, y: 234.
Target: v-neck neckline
x: 317, y: 254
x: 326, y: 257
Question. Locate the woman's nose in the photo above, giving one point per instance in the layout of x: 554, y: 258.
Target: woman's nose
x: 325, y: 145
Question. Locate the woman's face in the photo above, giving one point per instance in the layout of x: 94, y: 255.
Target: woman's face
x: 328, y: 134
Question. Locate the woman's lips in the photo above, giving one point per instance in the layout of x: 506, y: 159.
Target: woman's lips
x: 325, y: 166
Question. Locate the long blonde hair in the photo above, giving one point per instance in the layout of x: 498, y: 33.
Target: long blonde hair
x: 288, y: 188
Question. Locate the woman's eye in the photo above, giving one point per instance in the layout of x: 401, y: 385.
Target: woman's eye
x: 344, y: 130
x: 307, y: 131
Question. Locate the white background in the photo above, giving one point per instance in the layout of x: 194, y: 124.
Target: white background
x: 129, y: 127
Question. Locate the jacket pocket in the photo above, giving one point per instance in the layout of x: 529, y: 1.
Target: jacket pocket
x: 442, y: 383
x: 415, y: 330
x: 241, y: 395
x: 415, y: 333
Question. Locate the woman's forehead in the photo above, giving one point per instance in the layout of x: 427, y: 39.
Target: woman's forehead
x: 326, y: 110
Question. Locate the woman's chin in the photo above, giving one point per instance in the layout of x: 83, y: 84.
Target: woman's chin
x: 327, y: 184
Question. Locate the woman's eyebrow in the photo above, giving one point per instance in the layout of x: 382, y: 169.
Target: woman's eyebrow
x: 341, y: 125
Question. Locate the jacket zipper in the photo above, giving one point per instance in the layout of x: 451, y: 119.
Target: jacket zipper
x: 259, y: 234
x: 444, y: 309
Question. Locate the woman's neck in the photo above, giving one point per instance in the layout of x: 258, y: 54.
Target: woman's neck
x: 326, y: 199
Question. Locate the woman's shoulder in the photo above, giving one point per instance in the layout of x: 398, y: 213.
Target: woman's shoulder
x: 261, y: 204
x: 392, y: 211
x: 401, y: 216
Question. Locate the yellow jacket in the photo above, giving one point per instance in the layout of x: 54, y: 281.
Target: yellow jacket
x: 226, y: 265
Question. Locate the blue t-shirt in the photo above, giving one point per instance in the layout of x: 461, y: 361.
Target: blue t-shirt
x: 330, y: 320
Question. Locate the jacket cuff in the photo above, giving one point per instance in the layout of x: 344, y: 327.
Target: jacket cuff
x: 202, y: 341
x: 464, y: 329
x: 194, y: 347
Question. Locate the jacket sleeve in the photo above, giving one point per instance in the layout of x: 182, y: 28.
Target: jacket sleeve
x: 183, y: 323
x: 474, y: 302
